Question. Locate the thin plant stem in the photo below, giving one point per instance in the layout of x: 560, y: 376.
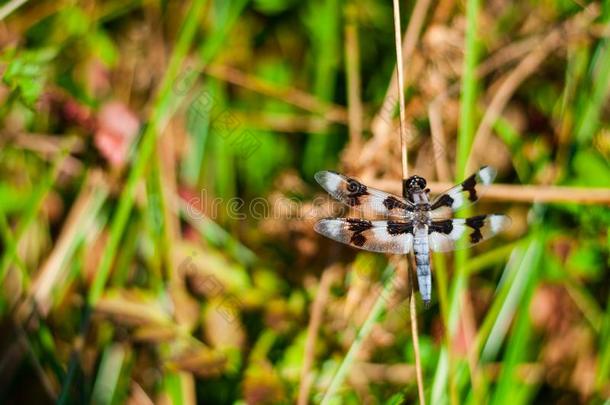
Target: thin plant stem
x: 303, y: 100
x: 415, y: 333
x: 521, y: 193
x: 401, y: 99
x: 382, y: 122
x: 354, y: 93
x: 380, y: 303
x: 405, y: 175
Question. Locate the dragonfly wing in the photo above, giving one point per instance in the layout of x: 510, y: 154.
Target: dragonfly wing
x: 354, y: 194
x: 377, y: 236
x: 443, y: 235
x: 462, y: 195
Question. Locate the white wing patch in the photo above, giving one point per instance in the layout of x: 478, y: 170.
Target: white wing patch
x: 487, y: 175
x: 462, y: 195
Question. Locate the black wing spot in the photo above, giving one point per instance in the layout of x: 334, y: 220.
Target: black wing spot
x: 357, y: 226
x: 469, y: 185
x: 358, y: 239
x: 445, y: 226
x: 444, y: 201
x: 476, y: 223
x: 398, y: 228
x: 355, y: 190
x: 392, y: 202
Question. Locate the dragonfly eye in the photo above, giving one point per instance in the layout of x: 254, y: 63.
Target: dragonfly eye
x: 416, y: 182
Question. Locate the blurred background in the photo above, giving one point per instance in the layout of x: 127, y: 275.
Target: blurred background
x: 157, y: 200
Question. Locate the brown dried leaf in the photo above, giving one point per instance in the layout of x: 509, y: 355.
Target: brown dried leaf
x: 155, y: 333
x: 203, y: 362
x: 132, y: 309
x: 222, y: 330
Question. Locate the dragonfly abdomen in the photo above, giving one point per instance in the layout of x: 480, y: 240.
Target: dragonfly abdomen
x: 422, y: 260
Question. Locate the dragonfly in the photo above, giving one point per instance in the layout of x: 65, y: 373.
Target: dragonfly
x: 416, y: 223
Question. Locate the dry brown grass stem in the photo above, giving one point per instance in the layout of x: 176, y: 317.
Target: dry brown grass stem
x: 520, y: 193
x: 415, y: 333
x: 354, y: 96
x: 330, y: 112
x: 405, y: 170
x: 387, y: 373
x: 401, y: 373
x: 382, y: 122
x: 315, y: 319
x: 54, y: 270
x: 508, y: 54
x: 49, y: 146
x: 285, y: 123
x: 499, y: 59
x: 45, y: 144
x: 399, y: 92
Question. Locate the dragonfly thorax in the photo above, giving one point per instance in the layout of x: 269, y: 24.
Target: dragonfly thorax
x: 421, y: 213
x: 420, y: 198
x: 422, y: 216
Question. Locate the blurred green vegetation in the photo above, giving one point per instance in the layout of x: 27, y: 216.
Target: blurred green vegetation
x: 157, y: 201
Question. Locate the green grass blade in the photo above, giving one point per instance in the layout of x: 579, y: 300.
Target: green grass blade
x: 106, y: 389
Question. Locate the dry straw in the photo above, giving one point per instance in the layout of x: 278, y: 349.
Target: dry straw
x: 405, y: 175
x: 381, y: 301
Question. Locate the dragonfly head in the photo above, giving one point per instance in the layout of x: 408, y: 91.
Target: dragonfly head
x: 415, y: 183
